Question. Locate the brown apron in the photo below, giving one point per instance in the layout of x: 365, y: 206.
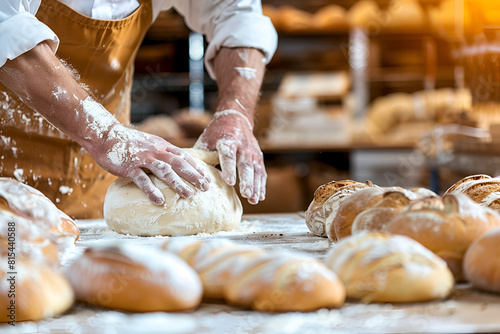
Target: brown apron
x: 102, y: 55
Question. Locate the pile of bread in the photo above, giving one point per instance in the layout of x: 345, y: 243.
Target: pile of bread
x: 390, y: 245
x: 173, y: 277
x: 34, y: 237
x: 406, y: 117
x: 399, y: 16
x: 458, y: 237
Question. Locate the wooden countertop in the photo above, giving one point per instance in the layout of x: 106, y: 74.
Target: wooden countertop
x: 465, y: 311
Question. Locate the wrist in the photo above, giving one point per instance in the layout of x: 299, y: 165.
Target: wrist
x: 227, y: 112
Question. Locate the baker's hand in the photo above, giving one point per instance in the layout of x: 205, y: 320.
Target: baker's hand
x: 230, y: 133
x: 130, y: 153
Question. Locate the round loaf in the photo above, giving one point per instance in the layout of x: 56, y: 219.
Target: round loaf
x: 365, y: 199
x: 127, y: 210
x: 378, y: 267
x: 40, y: 291
x: 446, y: 226
x: 135, y: 279
x: 327, y: 199
x: 482, y: 262
x: 482, y: 189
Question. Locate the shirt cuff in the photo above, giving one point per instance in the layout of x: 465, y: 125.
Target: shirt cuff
x: 21, y: 33
x: 244, y: 30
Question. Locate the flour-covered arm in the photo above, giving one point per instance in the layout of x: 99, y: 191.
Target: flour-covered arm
x: 41, y: 81
x: 241, y: 41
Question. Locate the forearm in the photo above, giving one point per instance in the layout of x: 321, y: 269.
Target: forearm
x: 239, y: 74
x: 42, y: 82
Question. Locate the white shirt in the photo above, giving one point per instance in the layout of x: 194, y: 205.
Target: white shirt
x: 225, y: 23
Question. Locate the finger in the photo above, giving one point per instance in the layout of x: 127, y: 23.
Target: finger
x: 198, y: 167
x: 184, y: 170
x: 227, y: 157
x: 246, y: 174
x: 256, y: 184
x: 263, y: 184
x: 166, y: 173
x: 142, y: 180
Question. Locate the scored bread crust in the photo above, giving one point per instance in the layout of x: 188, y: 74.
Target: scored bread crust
x: 250, y: 277
x: 446, y: 226
x: 327, y: 199
x: 387, y: 201
x: 482, y: 189
x: 380, y: 267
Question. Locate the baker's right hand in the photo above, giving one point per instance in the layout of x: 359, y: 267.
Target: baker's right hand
x: 130, y: 154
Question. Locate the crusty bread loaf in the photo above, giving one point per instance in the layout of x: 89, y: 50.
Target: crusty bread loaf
x: 326, y: 201
x: 482, y: 189
x: 131, y: 278
x: 40, y: 291
x: 30, y: 241
x: 249, y: 277
x: 378, y: 267
x: 330, y: 18
x: 365, y: 14
x: 482, y: 262
x: 30, y: 204
x: 365, y: 199
x: 446, y: 226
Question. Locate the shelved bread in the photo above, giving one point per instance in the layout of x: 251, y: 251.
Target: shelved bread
x: 368, y: 198
x: 482, y: 262
x: 38, y: 291
x: 131, y: 278
x: 250, y: 277
x: 326, y: 201
x: 446, y: 226
x: 378, y: 267
x: 481, y: 188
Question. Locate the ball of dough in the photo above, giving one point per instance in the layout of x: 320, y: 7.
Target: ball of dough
x: 378, y: 267
x: 127, y: 209
x: 482, y: 262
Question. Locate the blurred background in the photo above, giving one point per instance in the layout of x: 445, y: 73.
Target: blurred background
x: 399, y: 92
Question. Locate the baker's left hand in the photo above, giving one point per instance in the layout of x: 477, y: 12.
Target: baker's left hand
x: 230, y: 133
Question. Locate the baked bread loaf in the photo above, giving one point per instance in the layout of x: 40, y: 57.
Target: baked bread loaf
x: 31, y: 205
x: 131, y: 278
x: 31, y: 241
x: 365, y: 199
x: 482, y: 262
x: 446, y: 226
x: 40, y: 291
x: 365, y: 14
x: 249, y: 277
x: 378, y: 267
x: 482, y: 189
x: 330, y: 18
x: 392, y: 203
x: 326, y: 201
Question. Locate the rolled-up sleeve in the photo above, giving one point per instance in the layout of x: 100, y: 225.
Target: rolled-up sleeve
x: 230, y: 23
x: 20, y: 30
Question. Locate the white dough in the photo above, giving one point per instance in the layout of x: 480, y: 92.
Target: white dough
x: 127, y: 209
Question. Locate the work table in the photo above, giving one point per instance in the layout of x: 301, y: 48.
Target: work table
x: 465, y: 311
